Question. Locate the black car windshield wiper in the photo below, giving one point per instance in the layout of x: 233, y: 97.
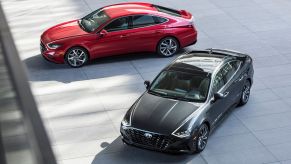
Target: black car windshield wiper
x: 178, y: 98
x: 158, y: 93
x: 165, y: 95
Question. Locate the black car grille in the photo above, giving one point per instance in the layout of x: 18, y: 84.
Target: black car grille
x: 42, y: 47
x: 156, y: 141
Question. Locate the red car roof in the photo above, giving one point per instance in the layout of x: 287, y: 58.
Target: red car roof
x: 123, y: 9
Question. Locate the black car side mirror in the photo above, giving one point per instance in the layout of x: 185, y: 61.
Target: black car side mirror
x: 147, y: 84
x: 103, y: 33
x: 217, y: 96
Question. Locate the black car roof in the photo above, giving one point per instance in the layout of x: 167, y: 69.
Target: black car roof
x: 198, y: 63
x: 204, y: 61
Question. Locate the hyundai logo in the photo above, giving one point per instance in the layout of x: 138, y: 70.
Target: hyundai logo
x: 148, y: 135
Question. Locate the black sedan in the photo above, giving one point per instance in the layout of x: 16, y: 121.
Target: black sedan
x: 187, y: 99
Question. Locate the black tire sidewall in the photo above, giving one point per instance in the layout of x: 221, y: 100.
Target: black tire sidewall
x: 74, y: 48
x: 241, y: 102
x: 160, y: 42
x: 197, y: 150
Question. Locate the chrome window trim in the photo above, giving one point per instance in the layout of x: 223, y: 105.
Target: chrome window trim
x: 226, y: 84
x: 212, y: 78
x: 103, y: 28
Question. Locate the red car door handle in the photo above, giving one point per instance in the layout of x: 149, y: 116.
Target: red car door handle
x: 158, y: 31
x: 123, y: 36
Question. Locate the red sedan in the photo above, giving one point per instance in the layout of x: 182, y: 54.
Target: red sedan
x: 119, y: 29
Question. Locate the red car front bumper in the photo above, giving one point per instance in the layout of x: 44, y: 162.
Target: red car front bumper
x: 55, y: 56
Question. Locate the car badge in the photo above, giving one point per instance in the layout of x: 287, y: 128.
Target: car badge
x: 148, y: 135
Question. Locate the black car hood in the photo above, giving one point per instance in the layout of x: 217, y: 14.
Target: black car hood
x: 160, y: 115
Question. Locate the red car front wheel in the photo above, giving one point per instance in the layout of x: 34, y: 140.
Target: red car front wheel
x: 76, y: 57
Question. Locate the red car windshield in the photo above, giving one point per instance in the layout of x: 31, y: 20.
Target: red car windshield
x: 94, y: 20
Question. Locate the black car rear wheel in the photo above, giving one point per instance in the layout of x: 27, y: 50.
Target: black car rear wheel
x: 201, y: 138
x: 245, y: 95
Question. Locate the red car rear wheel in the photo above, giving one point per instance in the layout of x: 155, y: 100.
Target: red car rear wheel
x: 168, y: 47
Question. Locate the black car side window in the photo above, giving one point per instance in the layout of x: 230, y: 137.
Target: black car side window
x: 118, y: 24
x: 142, y: 21
x: 218, y: 81
x: 231, y: 68
x: 224, y: 75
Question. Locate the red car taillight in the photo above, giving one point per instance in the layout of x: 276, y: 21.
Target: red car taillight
x: 192, y: 21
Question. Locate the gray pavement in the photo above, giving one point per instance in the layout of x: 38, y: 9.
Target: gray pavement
x: 82, y: 108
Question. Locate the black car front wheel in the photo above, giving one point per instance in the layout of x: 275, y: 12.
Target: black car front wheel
x: 201, y: 138
x: 168, y: 47
x: 245, y: 95
x: 76, y: 57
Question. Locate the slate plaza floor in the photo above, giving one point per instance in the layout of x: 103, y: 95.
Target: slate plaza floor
x: 82, y: 108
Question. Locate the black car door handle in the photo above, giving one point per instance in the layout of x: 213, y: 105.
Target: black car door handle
x: 240, y: 78
x: 225, y: 94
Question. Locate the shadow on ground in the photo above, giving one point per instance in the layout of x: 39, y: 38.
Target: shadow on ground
x: 40, y: 69
x: 117, y: 151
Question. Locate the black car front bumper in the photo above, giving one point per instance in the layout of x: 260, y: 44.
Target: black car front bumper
x: 155, y: 141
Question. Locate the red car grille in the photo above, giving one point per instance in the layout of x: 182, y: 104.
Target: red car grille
x: 42, y: 47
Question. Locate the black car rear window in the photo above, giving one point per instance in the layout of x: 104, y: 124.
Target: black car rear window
x: 160, y: 19
x: 168, y: 10
x: 142, y: 21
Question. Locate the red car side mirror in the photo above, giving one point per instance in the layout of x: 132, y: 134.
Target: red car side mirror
x: 103, y: 33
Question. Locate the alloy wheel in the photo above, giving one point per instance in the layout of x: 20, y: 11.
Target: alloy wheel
x: 246, y: 93
x: 168, y: 47
x: 76, y: 57
x: 202, y: 137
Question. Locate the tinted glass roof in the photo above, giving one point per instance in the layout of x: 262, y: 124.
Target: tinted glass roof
x: 202, y: 64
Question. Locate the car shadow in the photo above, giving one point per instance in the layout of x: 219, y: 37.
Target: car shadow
x: 117, y: 151
x: 40, y: 69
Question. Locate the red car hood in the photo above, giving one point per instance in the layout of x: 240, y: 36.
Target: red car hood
x: 63, y: 30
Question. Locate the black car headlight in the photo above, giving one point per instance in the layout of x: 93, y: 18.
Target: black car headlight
x: 54, y: 45
x: 126, y: 118
x: 125, y: 122
x: 183, y: 134
x: 183, y: 131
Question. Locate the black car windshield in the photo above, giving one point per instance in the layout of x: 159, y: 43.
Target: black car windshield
x: 181, y: 86
x: 94, y: 20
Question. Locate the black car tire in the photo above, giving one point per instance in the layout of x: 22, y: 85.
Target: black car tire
x: 168, y: 47
x: 201, y: 138
x: 76, y: 57
x: 245, y: 93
